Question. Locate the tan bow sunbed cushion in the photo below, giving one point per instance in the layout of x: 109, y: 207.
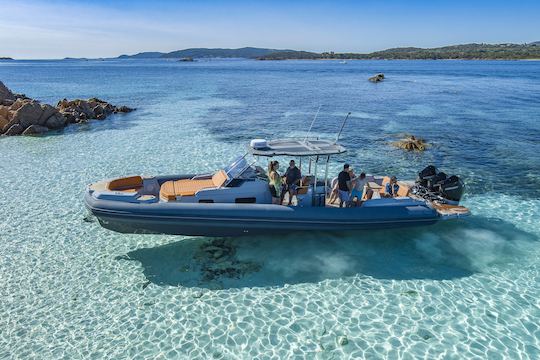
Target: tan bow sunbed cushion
x: 166, y: 192
x: 187, y: 187
x: 385, y: 181
x: 128, y: 184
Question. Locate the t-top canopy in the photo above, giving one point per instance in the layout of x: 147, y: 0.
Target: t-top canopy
x: 293, y: 147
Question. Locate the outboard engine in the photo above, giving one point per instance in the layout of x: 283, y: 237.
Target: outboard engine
x: 437, y: 186
x: 452, y: 188
x: 425, y: 175
x: 436, y: 181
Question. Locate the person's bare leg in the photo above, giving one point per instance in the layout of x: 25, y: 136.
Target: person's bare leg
x: 369, y: 194
x: 333, y: 196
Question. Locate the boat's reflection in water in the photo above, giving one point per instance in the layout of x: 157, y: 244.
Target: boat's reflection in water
x: 440, y: 252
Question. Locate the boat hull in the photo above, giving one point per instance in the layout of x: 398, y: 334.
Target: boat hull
x: 255, y: 219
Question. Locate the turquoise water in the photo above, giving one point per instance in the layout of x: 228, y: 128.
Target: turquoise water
x: 464, y: 289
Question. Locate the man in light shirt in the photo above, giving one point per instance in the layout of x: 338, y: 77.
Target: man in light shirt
x: 361, y: 187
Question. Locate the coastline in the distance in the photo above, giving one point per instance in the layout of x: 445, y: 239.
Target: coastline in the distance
x: 507, y: 51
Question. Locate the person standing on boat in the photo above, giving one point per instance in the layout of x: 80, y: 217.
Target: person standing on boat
x: 275, y: 182
x: 358, y: 186
x: 344, y: 185
x: 292, y: 177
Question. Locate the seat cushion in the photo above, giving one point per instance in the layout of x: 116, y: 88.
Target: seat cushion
x: 188, y: 187
x: 219, y: 178
x: 166, y: 192
x: 403, y: 190
x: 132, y: 183
x: 385, y: 181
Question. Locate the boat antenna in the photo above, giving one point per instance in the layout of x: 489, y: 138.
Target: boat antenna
x: 342, y: 126
x: 312, y: 122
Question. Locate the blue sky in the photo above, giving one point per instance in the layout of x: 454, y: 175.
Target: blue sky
x: 57, y: 29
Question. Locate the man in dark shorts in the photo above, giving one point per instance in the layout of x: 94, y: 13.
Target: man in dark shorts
x: 292, y: 176
x: 344, y: 185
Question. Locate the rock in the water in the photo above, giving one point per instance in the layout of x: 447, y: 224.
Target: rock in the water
x: 15, y: 129
x: 17, y: 109
x: 35, y: 130
x: 28, y: 114
x: 48, y: 111
x: 17, y: 104
x: 124, y: 109
x: 3, y: 122
x: 342, y: 340
x: 4, y: 117
x: 5, y: 93
x: 377, y: 78
x: 79, y: 111
x: 57, y: 121
x: 411, y: 143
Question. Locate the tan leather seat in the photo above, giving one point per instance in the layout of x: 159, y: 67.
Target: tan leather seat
x: 385, y: 181
x: 127, y: 184
x: 189, y: 187
x: 403, y: 190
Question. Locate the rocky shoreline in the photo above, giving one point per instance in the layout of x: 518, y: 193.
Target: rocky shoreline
x: 21, y: 115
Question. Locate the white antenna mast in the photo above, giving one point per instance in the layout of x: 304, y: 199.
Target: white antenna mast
x: 342, y: 126
x: 313, y: 122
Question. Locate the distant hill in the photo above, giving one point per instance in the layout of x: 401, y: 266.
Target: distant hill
x: 465, y: 51
x: 290, y: 55
x: 246, y: 52
x: 143, y: 55
x: 5, y: 58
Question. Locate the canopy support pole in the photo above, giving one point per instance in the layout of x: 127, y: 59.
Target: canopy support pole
x: 326, y: 178
x: 314, y: 196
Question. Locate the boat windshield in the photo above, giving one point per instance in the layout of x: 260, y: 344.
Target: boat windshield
x: 236, y: 167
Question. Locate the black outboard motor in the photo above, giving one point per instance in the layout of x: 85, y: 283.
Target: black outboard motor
x: 425, y: 175
x: 435, y: 182
x: 437, y: 186
x: 452, y: 188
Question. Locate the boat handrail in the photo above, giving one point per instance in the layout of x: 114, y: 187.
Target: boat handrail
x: 201, y: 176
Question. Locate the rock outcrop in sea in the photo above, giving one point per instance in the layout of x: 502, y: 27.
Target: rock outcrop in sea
x: 21, y: 115
x: 410, y: 143
x: 377, y: 78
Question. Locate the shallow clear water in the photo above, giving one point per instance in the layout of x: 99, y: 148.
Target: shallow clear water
x: 71, y: 289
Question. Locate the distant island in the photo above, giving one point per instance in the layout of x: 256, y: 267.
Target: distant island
x: 245, y: 52
x: 454, y: 52
x: 5, y: 58
x: 465, y: 52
